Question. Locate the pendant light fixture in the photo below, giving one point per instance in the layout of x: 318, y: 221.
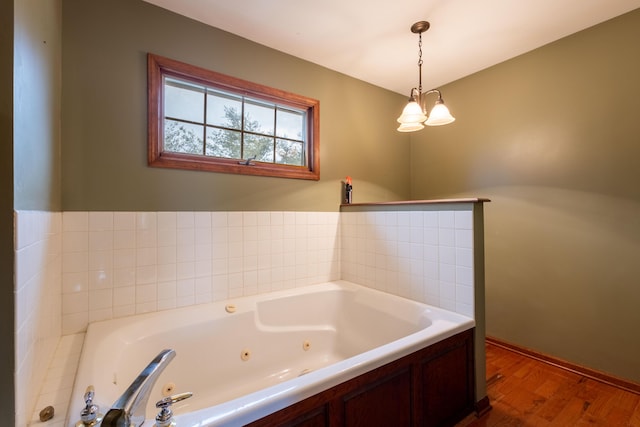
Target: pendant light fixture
x: 414, y: 116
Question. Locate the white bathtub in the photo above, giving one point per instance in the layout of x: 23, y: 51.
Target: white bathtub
x: 298, y: 342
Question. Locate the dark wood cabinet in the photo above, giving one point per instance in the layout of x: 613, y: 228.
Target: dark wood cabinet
x: 448, y: 383
x: 433, y: 387
x: 384, y: 402
x: 317, y: 417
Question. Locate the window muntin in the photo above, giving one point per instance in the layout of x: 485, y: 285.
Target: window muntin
x: 199, y: 119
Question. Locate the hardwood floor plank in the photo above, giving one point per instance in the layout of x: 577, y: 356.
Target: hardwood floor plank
x: 550, y: 386
x: 525, y: 392
x: 635, y: 417
x: 621, y: 408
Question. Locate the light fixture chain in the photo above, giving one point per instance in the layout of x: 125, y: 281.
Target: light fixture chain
x: 420, y: 63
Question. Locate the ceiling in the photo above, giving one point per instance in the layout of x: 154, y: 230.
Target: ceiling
x: 371, y: 39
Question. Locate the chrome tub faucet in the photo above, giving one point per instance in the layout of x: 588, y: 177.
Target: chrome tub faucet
x: 129, y: 409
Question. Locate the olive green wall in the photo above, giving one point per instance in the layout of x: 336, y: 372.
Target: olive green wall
x: 553, y: 138
x: 105, y: 44
x: 37, y: 89
x: 7, y: 350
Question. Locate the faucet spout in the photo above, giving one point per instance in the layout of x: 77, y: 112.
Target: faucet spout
x: 129, y: 409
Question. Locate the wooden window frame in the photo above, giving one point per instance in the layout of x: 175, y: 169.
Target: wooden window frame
x: 158, y: 67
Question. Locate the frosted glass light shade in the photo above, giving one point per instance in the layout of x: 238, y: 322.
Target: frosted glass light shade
x: 439, y: 115
x: 410, y: 127
x: 412, y: 113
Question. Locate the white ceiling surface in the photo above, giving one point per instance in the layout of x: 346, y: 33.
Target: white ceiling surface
x: 371, y: 39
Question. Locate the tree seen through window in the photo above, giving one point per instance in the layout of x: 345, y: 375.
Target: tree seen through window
x: 266, y: 132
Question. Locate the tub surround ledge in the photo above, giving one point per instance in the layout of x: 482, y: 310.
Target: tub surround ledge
x: 418, y: 202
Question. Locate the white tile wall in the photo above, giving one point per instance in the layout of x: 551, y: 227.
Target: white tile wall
x: 37, y: 293
x: 423, y: 255
x: 117, y: 264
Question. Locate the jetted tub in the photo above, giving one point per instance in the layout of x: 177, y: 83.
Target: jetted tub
x: 248, y: 357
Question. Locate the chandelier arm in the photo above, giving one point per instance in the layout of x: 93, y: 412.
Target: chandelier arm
x: 422, y: 99
x: 414, y: 95
x: 433, y: 91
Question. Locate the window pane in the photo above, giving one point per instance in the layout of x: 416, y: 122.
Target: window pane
x: 183, y: 101
x: 289, y: 152
x: 259, y: 146
x: 180, y: 137
x: 290, y: 124
x: 258, y: 117
x: 223, y: 143
x: 224, y: 110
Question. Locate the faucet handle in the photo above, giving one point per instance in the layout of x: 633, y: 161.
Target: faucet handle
x: 165, y: 417
x: 89, y: 394
x: 90, y: 415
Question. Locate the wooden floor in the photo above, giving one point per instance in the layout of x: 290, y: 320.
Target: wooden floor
x: 526, y: 392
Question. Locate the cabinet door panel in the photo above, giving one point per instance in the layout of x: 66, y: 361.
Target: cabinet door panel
x: 384, y: 403
x: 315, y: 418
x: 447, y: 387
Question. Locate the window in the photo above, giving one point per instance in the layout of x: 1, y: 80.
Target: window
x: 203, y: 120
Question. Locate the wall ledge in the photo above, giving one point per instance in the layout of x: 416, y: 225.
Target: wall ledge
x: 419, y: 202
x: 402, y: 203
